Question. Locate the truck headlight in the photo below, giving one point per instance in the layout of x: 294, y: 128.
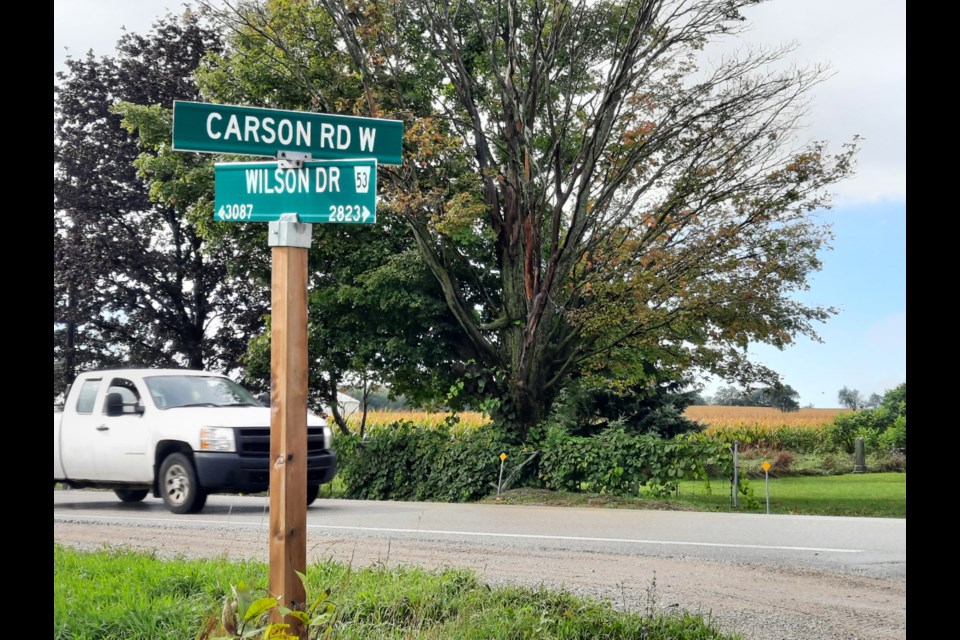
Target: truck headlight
x: 327, y: 437
x: 217, y: 439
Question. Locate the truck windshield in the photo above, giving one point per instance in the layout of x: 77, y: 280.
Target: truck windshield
x: 173, y: 391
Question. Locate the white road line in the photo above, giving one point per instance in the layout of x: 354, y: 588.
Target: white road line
x: 480, y: 534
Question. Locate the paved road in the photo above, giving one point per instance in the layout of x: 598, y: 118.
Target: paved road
x: 794, y: 576
x: 867, y: 546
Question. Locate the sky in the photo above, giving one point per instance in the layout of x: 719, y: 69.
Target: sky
x: 863, y: 42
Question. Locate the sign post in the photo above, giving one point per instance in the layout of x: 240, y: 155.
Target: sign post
x: 766, y: 473
x: 288, y: 416
x: 325, y: 171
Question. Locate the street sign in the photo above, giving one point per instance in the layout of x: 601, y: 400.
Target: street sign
x: 220, y: 128
x: 321, y: 191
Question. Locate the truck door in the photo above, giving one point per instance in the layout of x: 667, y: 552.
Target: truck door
x: 124, y: 440
x: 78, y: 432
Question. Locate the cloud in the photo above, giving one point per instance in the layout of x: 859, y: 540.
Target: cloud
x: 863, y: 43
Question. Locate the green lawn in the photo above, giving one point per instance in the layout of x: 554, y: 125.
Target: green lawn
x: 865, y: 494
x: 882, y: 495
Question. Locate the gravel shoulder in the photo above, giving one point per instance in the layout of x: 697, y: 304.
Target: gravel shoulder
x: 783, y: 603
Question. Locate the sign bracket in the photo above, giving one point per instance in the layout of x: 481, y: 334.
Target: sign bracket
x: 292, y: 159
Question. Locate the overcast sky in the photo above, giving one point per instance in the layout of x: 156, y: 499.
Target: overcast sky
x: 864, y: 43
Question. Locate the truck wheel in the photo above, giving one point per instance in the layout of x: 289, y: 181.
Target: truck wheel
x: 131, y: 495
x: 312, y: 492
x: 179, y: 485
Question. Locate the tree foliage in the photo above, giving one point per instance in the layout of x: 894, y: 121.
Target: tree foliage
x: 586, y: 409
x: 850, y: 398
x: 781, y: 396
x: 874, y: 401
x: 587, y: 197
x: 882, y: 428
x: 134, y: 281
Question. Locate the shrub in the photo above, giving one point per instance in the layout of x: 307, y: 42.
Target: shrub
x: 896, y: 436
x: 780, y: 463
x: 618, y: 463
x: 410, y: 462
x: 390, y: 464
x: 780, y: 437
x: 869, y: 424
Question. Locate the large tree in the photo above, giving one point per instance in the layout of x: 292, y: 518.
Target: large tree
x: 588, y: 197
x: 134, y: 281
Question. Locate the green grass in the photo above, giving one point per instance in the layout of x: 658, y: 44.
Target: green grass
x: 122, y: 595
x: 882, y: 495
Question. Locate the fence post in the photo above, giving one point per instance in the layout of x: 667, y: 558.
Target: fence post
x: 735, y: 482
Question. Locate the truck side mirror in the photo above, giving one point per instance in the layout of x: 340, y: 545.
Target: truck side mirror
x: 114, y: 404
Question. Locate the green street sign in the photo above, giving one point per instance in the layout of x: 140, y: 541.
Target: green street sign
x: 220, y: 128
x: 321, y: 191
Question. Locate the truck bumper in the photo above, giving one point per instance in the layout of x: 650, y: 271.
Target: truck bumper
x: 233, y: 473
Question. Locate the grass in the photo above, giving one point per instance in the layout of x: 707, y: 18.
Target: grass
x: 125, y: 595
x: 881, y: 495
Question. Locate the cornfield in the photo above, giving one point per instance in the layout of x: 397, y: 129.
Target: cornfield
x: 716, y: 418
x: 468, y: 420
x: 761, y: 418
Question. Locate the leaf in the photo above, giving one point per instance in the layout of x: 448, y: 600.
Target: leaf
x: 303, y: 578
x: 301, y: 616
x: 259, y: 607
x: 323, y: 596
x: 278, y: 631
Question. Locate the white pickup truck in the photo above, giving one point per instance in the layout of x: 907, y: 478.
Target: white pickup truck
x: 178, y: 434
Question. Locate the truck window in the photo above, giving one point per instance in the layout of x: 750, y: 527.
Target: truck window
x: 126, y: 388
x: 87, y: 395
x: 172, y: 391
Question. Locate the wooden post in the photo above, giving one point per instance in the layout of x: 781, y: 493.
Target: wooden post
x: 288, y: 419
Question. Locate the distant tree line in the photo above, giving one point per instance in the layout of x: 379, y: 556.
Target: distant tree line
x: 379, y: 399
x: 853, y: 399
x: 784, y: 397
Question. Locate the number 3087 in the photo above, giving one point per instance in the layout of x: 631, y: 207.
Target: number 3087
x: 235, y: 212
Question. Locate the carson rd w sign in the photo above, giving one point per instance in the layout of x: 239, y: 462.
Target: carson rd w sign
x: 319, y: 191
x: 218, y: 128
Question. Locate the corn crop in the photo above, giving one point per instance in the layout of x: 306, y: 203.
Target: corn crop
x: 760, y: 418
x: 466, y: 420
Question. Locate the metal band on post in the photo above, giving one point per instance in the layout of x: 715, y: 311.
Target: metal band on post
x: 288, y: 231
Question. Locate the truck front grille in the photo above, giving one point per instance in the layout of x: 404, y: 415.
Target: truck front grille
x: 255, y: 441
